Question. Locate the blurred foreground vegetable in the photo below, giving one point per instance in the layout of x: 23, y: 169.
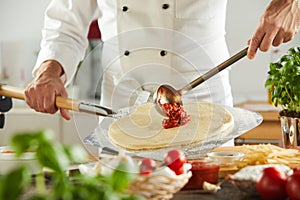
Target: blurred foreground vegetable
x: 276, y: 185
x: 175, y: 160
x: 57, y: 157
x: 271, y: 185
x: 293, y: 185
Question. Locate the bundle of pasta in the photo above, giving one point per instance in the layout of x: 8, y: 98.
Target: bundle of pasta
x: 269, y: 154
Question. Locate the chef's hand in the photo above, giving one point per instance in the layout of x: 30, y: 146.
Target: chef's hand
x: 278, y: 25
x: 41, y: 92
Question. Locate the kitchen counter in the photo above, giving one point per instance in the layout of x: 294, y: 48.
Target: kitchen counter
x: 21, y: 119
x: 269, y: 131
x: 228, y: 192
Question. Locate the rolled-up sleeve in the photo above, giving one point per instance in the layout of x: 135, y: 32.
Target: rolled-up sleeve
x: 64, y: 35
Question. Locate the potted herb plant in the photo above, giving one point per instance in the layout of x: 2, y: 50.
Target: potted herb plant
x: 283, y: 81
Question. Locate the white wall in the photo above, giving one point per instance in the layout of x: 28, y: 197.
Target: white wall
x: 248, y: 76
x: 21, y: 23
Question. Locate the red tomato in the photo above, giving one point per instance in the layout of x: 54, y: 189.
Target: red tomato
x: 271, y: 186
x: 146, y: 172
x: 293, y: 185
x: 179, y: 171
x: 175, y: 160
x: 297, y: 169
x: 147, y: 165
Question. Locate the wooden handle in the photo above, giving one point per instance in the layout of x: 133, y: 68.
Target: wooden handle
x: 67, y: 103
x: 13, y: 92
x: 18, y: 93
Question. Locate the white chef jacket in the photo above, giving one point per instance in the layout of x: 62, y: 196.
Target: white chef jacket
x: 146, y: 43
x: 199, y: 24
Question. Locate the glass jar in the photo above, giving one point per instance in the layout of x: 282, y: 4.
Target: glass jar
x: 203, y: 169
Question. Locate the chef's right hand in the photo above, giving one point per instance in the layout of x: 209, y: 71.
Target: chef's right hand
x: 279, y: 24
x: 40, y: 93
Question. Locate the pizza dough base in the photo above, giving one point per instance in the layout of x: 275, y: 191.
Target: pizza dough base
x: 143, y: 130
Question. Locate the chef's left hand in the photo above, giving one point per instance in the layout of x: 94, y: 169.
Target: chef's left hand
x: 278, y: 25
x: 41, y: 92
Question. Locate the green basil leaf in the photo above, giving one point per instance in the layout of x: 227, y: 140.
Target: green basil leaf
x: 8, y: 187
x: 122, y: 177
x: 76, y: 154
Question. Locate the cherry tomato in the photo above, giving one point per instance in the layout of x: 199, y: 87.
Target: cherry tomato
x: 175, y: 160
x: 293, y: 185
x: 146, y: 172
x: 272, y: 184
x: 179, y: 171
x: 297, y: 169
x: 147, y: 165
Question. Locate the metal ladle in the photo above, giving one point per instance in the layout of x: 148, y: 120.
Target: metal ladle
x: 167, y: 94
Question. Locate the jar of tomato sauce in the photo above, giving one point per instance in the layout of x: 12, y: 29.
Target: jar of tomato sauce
x: 203, y: 169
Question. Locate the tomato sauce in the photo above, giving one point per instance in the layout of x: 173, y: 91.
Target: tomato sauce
x: 203, y: 170
x: 176, y: 115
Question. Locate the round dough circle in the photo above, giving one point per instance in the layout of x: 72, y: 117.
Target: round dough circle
x: 143, y: 130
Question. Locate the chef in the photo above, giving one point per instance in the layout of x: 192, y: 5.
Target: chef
x: 146, y: 43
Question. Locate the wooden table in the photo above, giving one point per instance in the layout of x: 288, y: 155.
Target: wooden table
x: 228, y: 192
x: 269, y: 131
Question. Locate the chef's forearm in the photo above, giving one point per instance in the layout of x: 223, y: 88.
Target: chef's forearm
x: 50, y: 68
x: 64, y: 37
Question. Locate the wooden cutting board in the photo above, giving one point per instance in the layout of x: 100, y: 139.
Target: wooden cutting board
x: 228, y: 149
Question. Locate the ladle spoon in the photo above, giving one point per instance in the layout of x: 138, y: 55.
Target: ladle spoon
x: 167, y: 94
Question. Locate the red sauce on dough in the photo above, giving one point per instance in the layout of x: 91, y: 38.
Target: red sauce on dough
x: 176, y: 115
